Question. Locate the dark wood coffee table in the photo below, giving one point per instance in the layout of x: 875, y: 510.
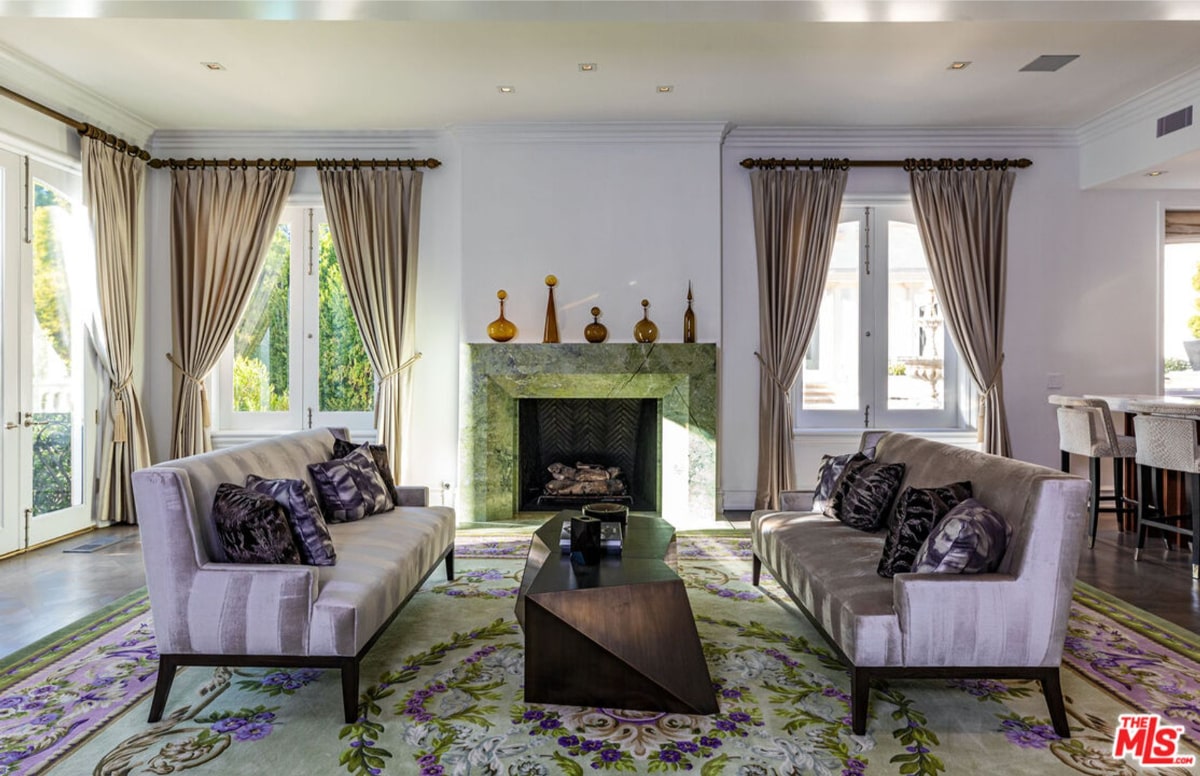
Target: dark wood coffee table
x: 619, y: 634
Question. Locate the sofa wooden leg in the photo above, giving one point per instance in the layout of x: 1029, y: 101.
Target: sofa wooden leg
x: 1052, y: 689
x: 167, y: 666
x: 350, y: 690
x: 860, y: 694
x: 755, y: 571
x: 450, y: 565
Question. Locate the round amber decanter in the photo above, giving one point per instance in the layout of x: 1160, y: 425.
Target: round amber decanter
x: 502, y: 329
x: 595, y: 331
x: 645, y: 330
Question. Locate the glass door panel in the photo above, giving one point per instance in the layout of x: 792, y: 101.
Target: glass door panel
x: 831, y: 367
x: 345, y: 379
x: 60, y: 372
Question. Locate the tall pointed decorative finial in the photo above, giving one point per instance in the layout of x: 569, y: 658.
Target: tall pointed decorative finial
x: 550, y: 334
x: 689, y: 318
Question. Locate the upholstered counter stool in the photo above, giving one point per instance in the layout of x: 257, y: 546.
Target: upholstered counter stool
x: 1167, y: 442
x: 1085, y: 427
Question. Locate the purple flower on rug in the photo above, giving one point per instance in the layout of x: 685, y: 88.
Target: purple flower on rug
x: 710, y: 742
x: 432, y: 770
x: 253, y: 731
x: 44, y: 719
x: 550, y: 724
x: 47, y: 689
x: 12, y: 701
x: 688, y: 747
x: 568, y: 741
x: 1027, y: 735
x: 263, y: 716
x: 669, y: 755
x: 726, y: 725
x: 228, y: 725
x: 731, y: 694
x: 739, y: 716
x: 612, y: 755
x: 592, y: 745
x: 14, y: 756
x: 533, y: 714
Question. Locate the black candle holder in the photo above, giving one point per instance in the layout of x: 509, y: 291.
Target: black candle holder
x: 585, y: 540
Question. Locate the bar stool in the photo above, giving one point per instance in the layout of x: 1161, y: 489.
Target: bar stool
x: 1169, y: 443
x: 1085, y: 427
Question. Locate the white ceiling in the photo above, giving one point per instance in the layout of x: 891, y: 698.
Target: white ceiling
x: 426, y: 64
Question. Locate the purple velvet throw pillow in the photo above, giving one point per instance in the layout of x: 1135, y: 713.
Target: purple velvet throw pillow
x: 350, y: 488
x: 970, y: 539
x: 252, y: 527
x: 379, y: 454
x: 304, y: 516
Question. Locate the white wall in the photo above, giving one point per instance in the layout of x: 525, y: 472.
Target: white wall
x: 618, y: 214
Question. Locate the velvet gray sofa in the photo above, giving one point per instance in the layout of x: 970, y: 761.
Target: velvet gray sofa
x: 213, y: 613
x: 1007, y: 624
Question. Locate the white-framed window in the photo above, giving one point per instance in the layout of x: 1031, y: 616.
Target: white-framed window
x: 880, y: 356
x: 297, y: 359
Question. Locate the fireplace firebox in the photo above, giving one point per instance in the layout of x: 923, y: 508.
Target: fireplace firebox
x: 610, y: 445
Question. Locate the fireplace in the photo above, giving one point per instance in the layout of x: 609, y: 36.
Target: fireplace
x: 678, y: 380
x: 616, y: 440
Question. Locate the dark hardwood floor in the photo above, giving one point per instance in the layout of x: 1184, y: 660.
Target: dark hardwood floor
x: 47, y: 589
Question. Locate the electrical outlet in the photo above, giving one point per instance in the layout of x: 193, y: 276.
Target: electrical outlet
x: 1054, y: 381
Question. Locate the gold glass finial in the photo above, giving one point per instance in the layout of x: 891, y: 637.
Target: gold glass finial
x: 551, y: 281
x: 502, y: 295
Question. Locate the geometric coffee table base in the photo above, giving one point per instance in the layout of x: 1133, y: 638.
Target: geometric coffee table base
x: 625, y: 647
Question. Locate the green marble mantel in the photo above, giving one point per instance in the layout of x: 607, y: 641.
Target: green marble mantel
x: 495, y: 376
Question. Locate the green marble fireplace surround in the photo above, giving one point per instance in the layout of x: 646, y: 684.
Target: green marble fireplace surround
x: 683, y: 377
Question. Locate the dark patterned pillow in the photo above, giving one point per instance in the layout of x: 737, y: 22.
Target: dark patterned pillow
x: 865, y: 494
x: 838, y: 492
x: 917, y: 512
x: 379, y: 454
x: 350, y: 488
x: 831, y: 469
x: 252, y: 527
x: 304, y: 515
x: 970, y: 539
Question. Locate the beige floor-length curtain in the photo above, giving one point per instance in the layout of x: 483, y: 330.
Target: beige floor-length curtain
x: 222, y: 222
x: 374, y: 218
x: 795, y: 223
x: 962, y: 216
x: 112, y: 185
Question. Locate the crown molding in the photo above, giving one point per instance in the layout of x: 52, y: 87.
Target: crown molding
x: 598, y: 132
x: 1179, y: 92
x: 322, y: 144
x: 801, y: 138
x: 53, y: 89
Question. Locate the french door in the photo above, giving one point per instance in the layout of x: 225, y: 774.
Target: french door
x: 48, y: 396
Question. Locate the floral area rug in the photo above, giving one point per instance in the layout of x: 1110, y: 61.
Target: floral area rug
x: 442, y: 694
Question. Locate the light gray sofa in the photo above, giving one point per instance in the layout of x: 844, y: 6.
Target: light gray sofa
x: 1007, y: 624
x: 210, y: 612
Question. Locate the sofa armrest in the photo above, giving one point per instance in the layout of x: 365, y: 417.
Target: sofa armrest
x: 412, y: 496
x: 977, y: 620
x: 244, y: 608
x: 796, y: 500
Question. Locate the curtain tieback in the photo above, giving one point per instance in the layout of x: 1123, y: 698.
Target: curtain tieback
x: 770, y: 372
x: 120, y: 417
x: 995, y: 377
x: 396, y: 372
x: 204, y: 411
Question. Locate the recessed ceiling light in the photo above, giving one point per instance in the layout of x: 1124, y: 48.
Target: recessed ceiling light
x: 587, y: 67
x: 1155, y: 173
x: 213, y: 65
x: 506, y: 89
x: 961, y: 65
x: 665, y: 88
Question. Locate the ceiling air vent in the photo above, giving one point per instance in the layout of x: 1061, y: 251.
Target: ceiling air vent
x: 1048, y: 63
x: 1174, y: 121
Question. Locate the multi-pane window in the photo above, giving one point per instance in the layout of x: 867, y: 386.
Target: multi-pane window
x: 880, y: 356
x: 297, y: 357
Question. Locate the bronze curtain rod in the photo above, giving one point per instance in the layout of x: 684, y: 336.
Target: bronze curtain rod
x: 906, y: 164
x: 178, y: 164
x: 291, y: 164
